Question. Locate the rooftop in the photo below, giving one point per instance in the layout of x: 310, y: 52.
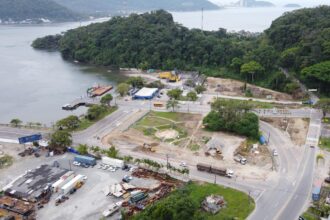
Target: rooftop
x: 31, y: 185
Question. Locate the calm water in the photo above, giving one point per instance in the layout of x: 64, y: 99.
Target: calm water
x: 35, y: 84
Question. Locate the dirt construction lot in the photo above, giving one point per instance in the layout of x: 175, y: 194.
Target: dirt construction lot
x: 233, y: 87
x: 297, y: 128
x: 182, y: 137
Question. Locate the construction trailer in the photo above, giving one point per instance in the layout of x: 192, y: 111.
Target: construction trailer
x: 113, y: 162
x: 74, y: 183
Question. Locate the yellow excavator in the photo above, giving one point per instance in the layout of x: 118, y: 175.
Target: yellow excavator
x: 170, y: 76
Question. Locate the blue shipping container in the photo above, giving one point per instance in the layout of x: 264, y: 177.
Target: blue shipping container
x: 86, y: 160
x: 316, y: 193
x: 72, y: 150
x: 31, y: 138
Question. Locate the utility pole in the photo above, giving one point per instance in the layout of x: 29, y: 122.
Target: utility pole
x: 70, y: 165
x: 167, y: 161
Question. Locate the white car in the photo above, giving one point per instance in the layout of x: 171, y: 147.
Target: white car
x: 275, y: 153
x: 183, y: 164
x: 84, y: 177
x: 76, y: 163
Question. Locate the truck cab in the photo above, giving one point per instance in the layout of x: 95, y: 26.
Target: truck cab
x: 230, y: 173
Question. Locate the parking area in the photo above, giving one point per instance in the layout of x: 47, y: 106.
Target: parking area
x: 90, y: 200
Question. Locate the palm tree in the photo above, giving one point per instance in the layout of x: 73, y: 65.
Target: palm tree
x: 172, y: 103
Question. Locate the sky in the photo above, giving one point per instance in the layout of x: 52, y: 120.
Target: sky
x: 283, y: 2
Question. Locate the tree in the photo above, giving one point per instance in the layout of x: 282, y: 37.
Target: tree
x: 192, y: 96
x: 122, y: 89
x: 94, y: 112
x: 16, y: 122
x: 112, y: 152
x: 251, y: 68
x: 174, y: 93
x: 136, y: 82
x: 236, y: 64
x: 60, y: 140
x: 105, y: 100
x: 71, y: 122
x: 318, y: 75
x: 200, y: 89
x: 82, y: 149
x: 172, y: 103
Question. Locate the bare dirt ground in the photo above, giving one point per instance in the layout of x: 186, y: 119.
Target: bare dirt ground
x: 297, y: 128
x: 192, y: 148
x: 232, y: 87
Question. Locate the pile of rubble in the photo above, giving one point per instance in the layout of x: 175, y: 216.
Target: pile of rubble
x: 213, y: 203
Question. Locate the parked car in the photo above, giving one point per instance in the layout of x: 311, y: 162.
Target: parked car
x: 127, y: 179
x: 312, y: 146
x: 183, y: 164
x: 275, y: 153
x: 76, y: 163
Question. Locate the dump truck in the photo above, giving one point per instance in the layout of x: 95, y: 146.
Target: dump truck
x: 85, y: 160
x: 215, y: 170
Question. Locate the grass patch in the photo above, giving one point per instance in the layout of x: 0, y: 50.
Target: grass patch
x: 185, y: 203
x: 326, y: 120
x: 194, y: 147
x: 309, y: 216
x: 149, y: 131
x: 255, y: 104
x: 6, y: 161
x: 324, y: 143
x: 85, y: 123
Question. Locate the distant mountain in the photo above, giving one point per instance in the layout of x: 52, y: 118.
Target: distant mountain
x: 254, y: 3
x: 292, y: 5
x: 114, y: 6
x: 34, y: 11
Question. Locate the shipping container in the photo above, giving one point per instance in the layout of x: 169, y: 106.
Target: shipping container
x: 62, y: 181
x: 85, y: 159
x: 113, y: 162
x: 72, y: 184
x: 138, y: 197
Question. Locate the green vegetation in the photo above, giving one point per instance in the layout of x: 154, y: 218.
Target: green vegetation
x: 232, y: 117
x: 172, y: 104
x: 60, y: 140
x: 324, y: 143
x: 105, y: 100
x: 192, y: 96
x: 70, y: 123
x: 112, y: 152
x: 185, y: 203
x: 175, y: 93
x: 122, y: 89
x: 82, y: 149
x: 159, y: 121
x: 200, y: 89
x: 16, y: 122
x: 34, y: 10
x: 6, y: 161
x: 298, y: 41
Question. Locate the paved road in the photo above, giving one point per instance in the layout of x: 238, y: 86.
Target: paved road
x: 277, y: 200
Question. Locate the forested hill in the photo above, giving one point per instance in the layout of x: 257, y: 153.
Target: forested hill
x: 34, y: 11
x: 296, y: 41
x: 96, y: 7
x: 302, y: 39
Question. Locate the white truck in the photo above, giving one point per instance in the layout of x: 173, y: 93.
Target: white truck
x: 240, y: 159
x: 62, y: 181
x: 72, y: 184
x: 113, y: 162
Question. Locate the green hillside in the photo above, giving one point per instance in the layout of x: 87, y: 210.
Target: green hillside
x: 35, y: 10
